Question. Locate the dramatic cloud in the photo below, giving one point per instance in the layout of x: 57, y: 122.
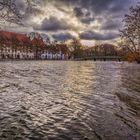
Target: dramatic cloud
x: 112, y: 24
x: 62, y: 36
x: 84, y: 15
x: 100, y: 6
x: 53, y: 24
x: 78, y: 11
x: 91, y: 35
x: 90, y: 19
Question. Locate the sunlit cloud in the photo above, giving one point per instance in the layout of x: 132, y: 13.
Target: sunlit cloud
x: 89, y: 19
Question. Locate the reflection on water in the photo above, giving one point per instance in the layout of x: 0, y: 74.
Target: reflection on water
x: 49, y: 100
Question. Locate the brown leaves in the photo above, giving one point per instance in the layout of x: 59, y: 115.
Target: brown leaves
x: 131, y: 32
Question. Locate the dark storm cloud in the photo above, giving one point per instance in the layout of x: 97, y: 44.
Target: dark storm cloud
x: 87, y: 20
x: 85, y: 15
x: 100, y: 6
x: 54, y: 24
x: 91, y: 35
x: 112, y: 24
x: 62, y: 36
x: 78, y: 11
x: 89, y: 10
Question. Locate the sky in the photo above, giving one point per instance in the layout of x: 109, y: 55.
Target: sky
x: 90, y: 20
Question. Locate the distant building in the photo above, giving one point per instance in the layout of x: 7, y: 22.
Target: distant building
x: 20, y: 46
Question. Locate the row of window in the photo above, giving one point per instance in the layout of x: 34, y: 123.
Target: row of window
x: 18, y: 56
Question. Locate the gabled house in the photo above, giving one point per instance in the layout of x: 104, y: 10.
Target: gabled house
x: 21, y: 46
x: 14, y: 46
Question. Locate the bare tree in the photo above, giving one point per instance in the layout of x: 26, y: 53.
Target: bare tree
x: 131, y: 32
x: 76, y: 48
x: 10, y: 12
x: 38, y: 45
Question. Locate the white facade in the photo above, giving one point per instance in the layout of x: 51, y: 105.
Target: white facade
x: 8, y: 53
x: 55, y: 56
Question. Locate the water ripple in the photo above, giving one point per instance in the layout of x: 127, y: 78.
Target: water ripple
x: 49, y: 100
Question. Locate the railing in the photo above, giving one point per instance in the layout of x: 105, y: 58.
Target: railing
x: 104, y: 58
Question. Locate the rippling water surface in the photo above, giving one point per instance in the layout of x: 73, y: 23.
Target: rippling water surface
x: 58, y: 100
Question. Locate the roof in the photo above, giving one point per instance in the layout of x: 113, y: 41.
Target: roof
x: 10, y: 37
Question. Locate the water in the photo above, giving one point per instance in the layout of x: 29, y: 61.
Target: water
x: 58, y: 100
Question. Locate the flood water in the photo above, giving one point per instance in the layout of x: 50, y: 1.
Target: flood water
x: 65, y: 100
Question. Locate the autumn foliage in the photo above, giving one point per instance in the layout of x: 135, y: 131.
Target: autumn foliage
x: 131, y: 34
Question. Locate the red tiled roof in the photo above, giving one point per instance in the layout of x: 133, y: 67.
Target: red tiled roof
x: 11, y: 34
x: 20, y: 38
x: 36, y: 41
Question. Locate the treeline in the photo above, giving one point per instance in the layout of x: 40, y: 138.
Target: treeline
x: 130, y: 35
x: 80, y: 51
